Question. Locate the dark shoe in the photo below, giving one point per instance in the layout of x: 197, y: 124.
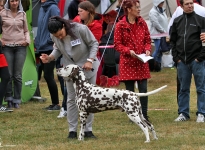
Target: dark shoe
x: 10, y: 104
x: 55, y: 107
x: 16, y: 105
x: 72, y: 135
x: 50, y: 106
x: 89, y: 134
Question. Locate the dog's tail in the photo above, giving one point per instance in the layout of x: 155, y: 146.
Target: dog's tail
x: 151, y: 92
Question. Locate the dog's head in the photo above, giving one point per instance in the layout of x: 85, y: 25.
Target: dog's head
x: 69, y: 71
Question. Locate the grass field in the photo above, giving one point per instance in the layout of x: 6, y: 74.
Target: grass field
x: 31, y: 128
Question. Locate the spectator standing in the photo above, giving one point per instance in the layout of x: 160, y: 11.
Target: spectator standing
x: 73, y: 8
x: 118, y: 9
x: 132, y: 37
x: 159, y: 23
x: 88, y: 17
x: 4, y: 79
x: 15, y: 39
x: 44, y: 45
x: 198, y: 9
x: 189, y: 55
x: 4, y: 72
x: 63, y: 110
x: 82, y: 54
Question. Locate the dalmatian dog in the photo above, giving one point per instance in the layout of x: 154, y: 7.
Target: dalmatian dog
x: 93, y: 99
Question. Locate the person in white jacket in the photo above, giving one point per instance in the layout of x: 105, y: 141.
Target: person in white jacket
x: 159, y: 22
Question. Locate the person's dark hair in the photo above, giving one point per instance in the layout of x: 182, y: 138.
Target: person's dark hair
x: 56, y: 23
x: 181, y: 2
x: 128, y: 4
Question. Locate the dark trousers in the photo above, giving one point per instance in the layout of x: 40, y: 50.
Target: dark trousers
x: 4, y: 79
x: 142, y: 86
x: 62, y: 84
x: 48, y: 70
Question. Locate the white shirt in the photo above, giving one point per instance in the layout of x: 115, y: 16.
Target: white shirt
x: 200, y: 10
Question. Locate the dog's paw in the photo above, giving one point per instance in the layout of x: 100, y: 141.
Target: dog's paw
x: 147, y: 141
x: 155, y: 138
x: 80, y: 138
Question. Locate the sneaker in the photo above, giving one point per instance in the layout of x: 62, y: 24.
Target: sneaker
x: 181, y: 117
x: 72, y: 135
x: 200, y: 118
x: 62, y: 113
x: 4, y: 109
x: 54, y: 108
x: 89, y: 134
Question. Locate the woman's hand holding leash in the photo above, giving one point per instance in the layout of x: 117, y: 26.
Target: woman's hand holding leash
x: 88, y: 66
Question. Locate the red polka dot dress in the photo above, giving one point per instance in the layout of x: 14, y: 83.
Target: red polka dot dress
x: 134, y: 37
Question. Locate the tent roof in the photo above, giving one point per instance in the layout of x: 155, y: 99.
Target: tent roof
x: 146, y: 6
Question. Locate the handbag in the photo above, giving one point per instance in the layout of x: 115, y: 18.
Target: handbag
x: 164, y: 45
x: 3, y: 62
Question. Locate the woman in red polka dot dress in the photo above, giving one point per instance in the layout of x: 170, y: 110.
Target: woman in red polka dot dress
x: 131, y: 37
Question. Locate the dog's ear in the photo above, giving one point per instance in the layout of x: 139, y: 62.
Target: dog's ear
x: 74, y: 72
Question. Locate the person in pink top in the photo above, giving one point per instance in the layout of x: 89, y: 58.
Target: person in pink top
x: 131, y: 36
x: 15, y: 38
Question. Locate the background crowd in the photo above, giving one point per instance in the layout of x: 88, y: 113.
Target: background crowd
x: 124, y: 28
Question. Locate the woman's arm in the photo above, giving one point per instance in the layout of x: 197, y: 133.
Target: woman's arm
x: 26, y: 31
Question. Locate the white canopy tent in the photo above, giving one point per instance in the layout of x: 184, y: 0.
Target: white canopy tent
x: 146, y: 6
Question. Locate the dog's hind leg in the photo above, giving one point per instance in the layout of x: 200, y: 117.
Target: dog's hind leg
x: 83, y: 118
x: 150, y: 126
x: 136, y: 119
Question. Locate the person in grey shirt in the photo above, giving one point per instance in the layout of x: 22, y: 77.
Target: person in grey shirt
x: 76, y: 43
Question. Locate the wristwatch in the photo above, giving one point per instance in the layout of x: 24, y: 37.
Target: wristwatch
x: 90, y: 60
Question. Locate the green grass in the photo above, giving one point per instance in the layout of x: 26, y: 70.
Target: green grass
x: 31, y: 128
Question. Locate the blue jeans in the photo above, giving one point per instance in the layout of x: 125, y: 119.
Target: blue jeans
x: 15, y: 57
x: 185, y: 72
x: 157, y: 54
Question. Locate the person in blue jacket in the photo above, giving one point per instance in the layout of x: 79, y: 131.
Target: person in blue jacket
x: 44, y: 45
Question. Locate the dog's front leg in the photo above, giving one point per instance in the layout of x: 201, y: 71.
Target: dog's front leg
x: 83, y: 118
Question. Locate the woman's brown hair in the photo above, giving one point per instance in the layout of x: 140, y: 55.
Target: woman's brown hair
x: 128, y: 4
x: 88, y: 6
